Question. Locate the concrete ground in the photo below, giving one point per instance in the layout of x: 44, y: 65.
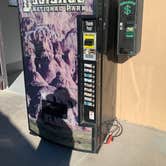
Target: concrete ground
x: 138, y: 146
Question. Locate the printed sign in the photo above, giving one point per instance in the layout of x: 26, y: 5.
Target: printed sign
x: 55, y: 6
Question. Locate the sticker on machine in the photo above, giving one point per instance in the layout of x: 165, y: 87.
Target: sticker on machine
x: 89, y: 46
x: 91, y: 115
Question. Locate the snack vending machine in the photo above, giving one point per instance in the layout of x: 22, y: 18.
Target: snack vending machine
x: 70, y: 81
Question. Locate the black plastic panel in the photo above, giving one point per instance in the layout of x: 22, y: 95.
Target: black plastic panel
x: 87, y: 69
x: 127, y: 27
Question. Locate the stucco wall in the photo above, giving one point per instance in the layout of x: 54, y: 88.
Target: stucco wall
x: 141, y: 91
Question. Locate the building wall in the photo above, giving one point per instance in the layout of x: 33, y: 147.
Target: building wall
x: 11, y: 34
x: 141, y: 91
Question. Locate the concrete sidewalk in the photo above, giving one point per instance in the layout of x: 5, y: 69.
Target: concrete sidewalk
x: 138, y: 146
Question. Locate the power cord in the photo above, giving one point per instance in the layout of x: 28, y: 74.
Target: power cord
x: 113, y: 129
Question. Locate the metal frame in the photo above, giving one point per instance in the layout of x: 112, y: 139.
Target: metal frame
x: 3, y: 74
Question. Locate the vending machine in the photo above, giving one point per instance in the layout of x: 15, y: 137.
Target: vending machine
x: 70, y: 80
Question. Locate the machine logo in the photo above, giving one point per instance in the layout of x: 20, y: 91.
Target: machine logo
x: 127, y: 9
x: 127, y: 6
x: 53, y: 5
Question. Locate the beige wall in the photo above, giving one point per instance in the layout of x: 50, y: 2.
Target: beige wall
x: 141, y: 92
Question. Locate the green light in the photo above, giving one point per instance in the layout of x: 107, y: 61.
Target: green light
x: 128, y: 3
x: 130, y: 29
x: 127, y: 10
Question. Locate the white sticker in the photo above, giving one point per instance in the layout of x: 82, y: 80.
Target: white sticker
x: 90, y: 57
x: 91, y: 115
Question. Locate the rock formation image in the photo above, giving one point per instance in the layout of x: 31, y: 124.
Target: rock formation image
x: 50, y: 58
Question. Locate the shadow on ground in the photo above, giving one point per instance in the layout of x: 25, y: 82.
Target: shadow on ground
x: 12, y: 76
x: 15, y: 150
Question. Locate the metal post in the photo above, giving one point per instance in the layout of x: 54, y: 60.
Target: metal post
x: 3, y: 72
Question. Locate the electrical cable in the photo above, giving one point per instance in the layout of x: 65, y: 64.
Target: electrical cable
x: 113, y: 129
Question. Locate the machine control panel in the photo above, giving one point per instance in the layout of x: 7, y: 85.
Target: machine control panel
x: 127, y: 27
x: 87, y: 75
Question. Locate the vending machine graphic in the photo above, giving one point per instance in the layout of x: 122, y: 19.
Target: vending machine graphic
x: 67, y: 70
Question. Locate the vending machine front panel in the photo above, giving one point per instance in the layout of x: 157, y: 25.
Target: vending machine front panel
x: 50, y: 55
